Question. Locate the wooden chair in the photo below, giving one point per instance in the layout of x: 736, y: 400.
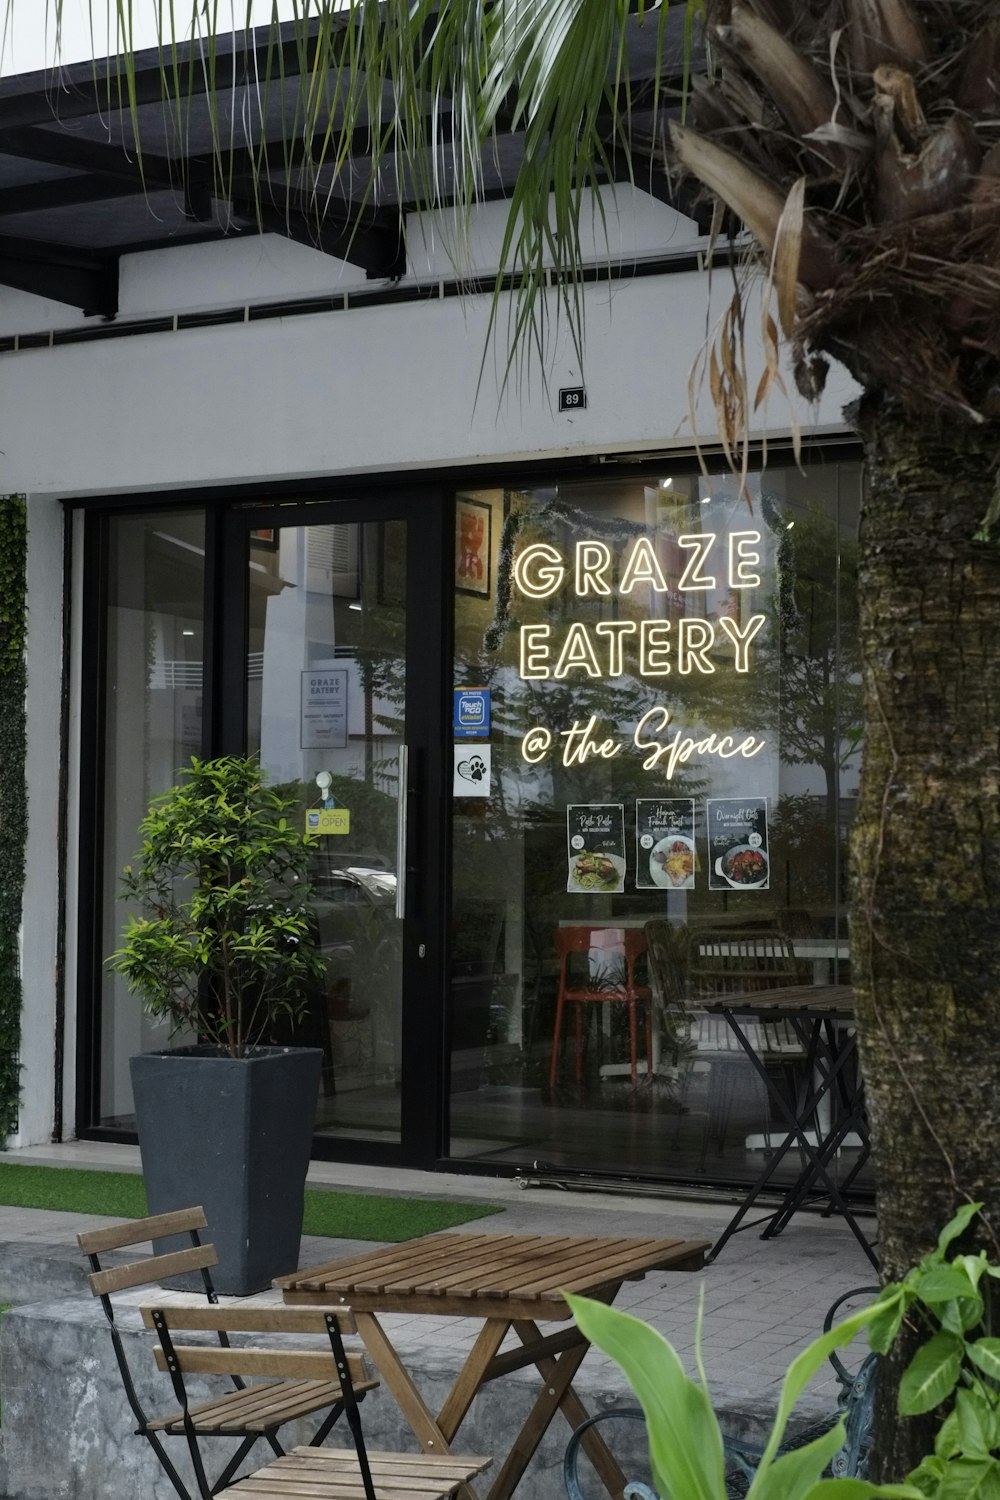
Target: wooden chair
x: 727, y: 963
x: 250, y: 1414
x: 733, y: 963
x: 690, y: 967
x: 692, y: 1041
x: 305, y: 1473
x: 608, y: 956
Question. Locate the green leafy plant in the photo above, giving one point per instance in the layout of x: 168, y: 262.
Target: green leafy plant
x: 225, y: 943
x: 955, y: 1373
x: 685, y: 1440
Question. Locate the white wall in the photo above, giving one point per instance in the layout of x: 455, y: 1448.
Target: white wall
x: 252, y: 268
x: 364, y: 390
x: 393, y: 386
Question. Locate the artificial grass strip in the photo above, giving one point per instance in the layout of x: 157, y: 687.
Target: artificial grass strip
x: 119, y: 1195
x: 346, y: 1216
x: 373, y: 1217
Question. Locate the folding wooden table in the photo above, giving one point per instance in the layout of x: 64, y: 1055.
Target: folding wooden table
x: 505, y: 1282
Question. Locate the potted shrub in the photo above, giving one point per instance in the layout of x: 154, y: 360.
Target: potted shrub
x: 223, y: 947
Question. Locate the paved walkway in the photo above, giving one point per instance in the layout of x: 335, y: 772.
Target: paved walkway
x: 763, y: 1300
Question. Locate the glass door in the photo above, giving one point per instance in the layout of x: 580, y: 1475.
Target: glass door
x: 148, y: 625
x: 326, y: 683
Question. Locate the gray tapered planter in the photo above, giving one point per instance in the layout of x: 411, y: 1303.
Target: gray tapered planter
x: 234, y: 1135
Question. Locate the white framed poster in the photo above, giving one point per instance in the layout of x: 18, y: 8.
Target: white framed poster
x: 324, y: 709
x: 666, y: 857
x: 595, y: 848
x: 737, y: 843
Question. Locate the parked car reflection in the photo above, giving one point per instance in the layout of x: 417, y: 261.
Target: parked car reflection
x: 360, y: 940
x: 355, y: 911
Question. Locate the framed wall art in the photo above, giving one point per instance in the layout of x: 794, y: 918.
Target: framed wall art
x: 473, y: 547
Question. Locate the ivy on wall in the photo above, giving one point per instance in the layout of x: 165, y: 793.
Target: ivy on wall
x: 13, y: 795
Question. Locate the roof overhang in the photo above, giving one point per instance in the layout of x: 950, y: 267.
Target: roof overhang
x: 76, y: 195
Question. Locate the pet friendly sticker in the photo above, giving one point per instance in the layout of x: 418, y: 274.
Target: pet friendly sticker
x: 472, y: 771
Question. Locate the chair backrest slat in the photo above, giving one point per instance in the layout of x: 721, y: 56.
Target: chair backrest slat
x: 294, y: 1364
x: 732, y: 963
x: 215, y: 1318
x: 151, y: 1269
x: 140, y: 1231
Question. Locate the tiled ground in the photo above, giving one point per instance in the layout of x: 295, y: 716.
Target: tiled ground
x: 763, y: 1300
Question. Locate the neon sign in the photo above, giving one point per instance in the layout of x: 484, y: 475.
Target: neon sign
x: 658, y: 647
x: 540, y: 570
x: 582, y: 744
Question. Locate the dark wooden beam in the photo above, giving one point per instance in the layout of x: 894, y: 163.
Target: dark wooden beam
x: 60, y: 273
x: 377, y: 247
x: 369, y: 240
x: 63, y: 192
x: 65, y: 148
x: 81, y: 89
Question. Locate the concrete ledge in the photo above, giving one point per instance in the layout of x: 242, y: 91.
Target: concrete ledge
x: 39, y: 1270
x: 68, y: 1434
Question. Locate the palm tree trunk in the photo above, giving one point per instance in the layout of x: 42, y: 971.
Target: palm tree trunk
x: 926, y: 844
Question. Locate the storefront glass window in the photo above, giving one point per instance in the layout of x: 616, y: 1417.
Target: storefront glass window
x: 152, y: 725
x: 326, y: 687
x: 656, y: 762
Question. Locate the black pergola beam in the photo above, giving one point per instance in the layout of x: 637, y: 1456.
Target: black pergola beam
x: 33, y: 109
x: 107, y: 172
x: 81, y: 89
x: 61, y: 273
x: 376, y: 247
x: 64, y: 192
x: 649, y: 174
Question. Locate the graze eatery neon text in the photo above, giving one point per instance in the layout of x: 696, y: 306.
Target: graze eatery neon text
x: 541, y: 570
x: 657, y: 647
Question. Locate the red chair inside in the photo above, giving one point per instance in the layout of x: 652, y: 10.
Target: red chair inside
x: 598, y: 965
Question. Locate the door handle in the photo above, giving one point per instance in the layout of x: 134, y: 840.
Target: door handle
x: 403, y: 766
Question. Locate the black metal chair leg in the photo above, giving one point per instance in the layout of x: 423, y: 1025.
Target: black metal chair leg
x: 229, y: 1472
x: 167, y: 1466
x: 326, y: 1426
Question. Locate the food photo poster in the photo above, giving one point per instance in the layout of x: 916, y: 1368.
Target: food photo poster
x: 595, y: 848
x: 665, y: 853
x: 737, y: 843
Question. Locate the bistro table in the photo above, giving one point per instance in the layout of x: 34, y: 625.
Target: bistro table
x: 504, y: 1281
x: 822, y: 1016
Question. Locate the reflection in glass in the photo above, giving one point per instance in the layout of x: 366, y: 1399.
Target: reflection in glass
x: 325, y: 688
x: 692, y: 644
x: 153, y: 725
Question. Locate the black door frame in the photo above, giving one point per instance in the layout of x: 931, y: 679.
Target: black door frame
x: 430, y: 544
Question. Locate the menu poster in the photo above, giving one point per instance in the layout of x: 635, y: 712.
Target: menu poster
x: 664, y: 844
x: 737, y: 844
x: 595, y: 847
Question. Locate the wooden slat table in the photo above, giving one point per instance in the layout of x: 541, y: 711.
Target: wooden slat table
x: 505, y: 1281
x: 823, y: 1016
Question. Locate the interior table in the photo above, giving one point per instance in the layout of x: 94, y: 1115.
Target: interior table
x: 827, y: 1108
x: 506, y: 1282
